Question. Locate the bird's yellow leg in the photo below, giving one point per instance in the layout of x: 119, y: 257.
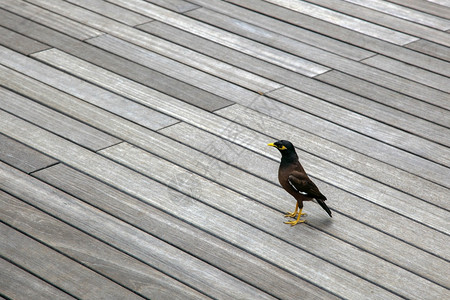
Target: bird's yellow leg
x: 298, y: 219
x: 293, y: 214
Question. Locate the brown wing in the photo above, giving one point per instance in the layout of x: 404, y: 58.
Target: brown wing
x: 304, y: 185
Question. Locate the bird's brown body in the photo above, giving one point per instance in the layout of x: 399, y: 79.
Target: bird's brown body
x: 296, y: 182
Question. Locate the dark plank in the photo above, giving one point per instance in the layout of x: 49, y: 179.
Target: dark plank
x: 16, y: 283
x: 111, y: 263
x: 51, y: 266
x: 56, y: 122
x: 172, y: 230
x: 60, y: 23
x: 116, y: 63
x: 20, y: 43
x: 22, y: 157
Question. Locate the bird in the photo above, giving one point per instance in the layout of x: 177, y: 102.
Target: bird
x: 296, y: 182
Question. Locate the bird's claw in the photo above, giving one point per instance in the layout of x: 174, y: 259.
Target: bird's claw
x: 295, y: 222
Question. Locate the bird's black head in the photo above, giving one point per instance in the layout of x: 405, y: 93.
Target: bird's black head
x: 283, y: 146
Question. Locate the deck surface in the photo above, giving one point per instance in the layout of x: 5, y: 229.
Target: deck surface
x: 133, y: 157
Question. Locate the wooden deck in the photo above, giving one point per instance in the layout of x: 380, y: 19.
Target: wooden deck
x: 133, y: 157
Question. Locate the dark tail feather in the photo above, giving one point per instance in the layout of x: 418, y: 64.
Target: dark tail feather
x: 324, y: 206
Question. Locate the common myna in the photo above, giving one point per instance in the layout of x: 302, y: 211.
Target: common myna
x: 294, y: 180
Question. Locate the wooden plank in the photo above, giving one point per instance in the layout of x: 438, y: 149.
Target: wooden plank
x: 189, y: 238
x: 171, y: 106
x: 287, y: 256
x: 124, y: 237
x: 147, y: 139
x: 379, y: 132
x: 317, y: 88
x: 114, y: 12
x: 58, y: 123
x: 111, y: 263
x: 411, y: 72
x: 175, y: 69
x: 264, y: 166
x: 294, y: 32
x: 71, y: 277
x: 20, y: 43
x: 403, y: 12
x: 22, y: 157
x: 261, y: 51
x: 386, y: 96
x: 90, y: 93
x: 47, y: 18
x: 347, y: 21
x: 387, y: 21
x: 179, y: 6
x: 426, y: 6
x: 210, y: 192
x: 308, y: 52
x: 16, y: 283
x: 340, y: 154
x: 343, y: 34
x: 127, y: 68
x: 430, y: 48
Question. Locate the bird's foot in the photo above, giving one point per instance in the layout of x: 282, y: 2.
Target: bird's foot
x: 295, y: 222
x: 293, y: 214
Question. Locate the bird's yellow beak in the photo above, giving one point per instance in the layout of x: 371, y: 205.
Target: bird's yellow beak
x: 271, y: 144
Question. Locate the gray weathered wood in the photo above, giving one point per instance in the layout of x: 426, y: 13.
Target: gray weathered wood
x: 58, y: 123
x: 386, y: 20
x: 261, y: 244
x: 127, y: 68
x: 22, y: 157
x: 176, y: 70
x: 346, y: 21
x: 244, y: 45
x: 180, y: 6
x: 47, y: 18
x: 405, y: 13
x: 426, y: 6
x: 111, y: 263
x: 430, y: 48
x: 297, y: 33
x: 114, y: 12
x: 343, y: 34
x: 90, y: 93
x: 122, y: 236
x: 407, y: 71
x: 169, y: 228
x: 66, y: 274
x: 265, y: 167
x: 178, y: 109
x: 20, y: 43
x: 392, y: 98
x: 378, y: 131
x: 16, y: 283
